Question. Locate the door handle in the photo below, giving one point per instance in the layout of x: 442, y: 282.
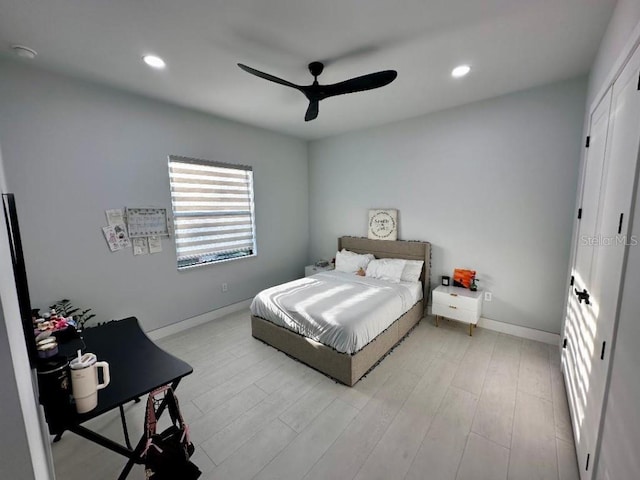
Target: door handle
x: 584, y: 295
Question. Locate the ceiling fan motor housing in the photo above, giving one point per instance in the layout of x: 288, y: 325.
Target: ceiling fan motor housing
x: 316, y: 68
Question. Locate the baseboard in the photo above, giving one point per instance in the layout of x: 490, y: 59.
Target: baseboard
x: 198, y: 320
x: 517, y: 330
x: 502, y: 327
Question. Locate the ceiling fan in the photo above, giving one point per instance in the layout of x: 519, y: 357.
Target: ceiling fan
x: 316, y: 92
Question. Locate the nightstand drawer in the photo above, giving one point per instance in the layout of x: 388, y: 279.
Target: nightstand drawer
x: 460, y: 298
x: 451, y: 311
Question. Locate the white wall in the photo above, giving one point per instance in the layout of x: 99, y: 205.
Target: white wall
x: 624, y: 19
x: 491, y: 185
x: 73, y: 149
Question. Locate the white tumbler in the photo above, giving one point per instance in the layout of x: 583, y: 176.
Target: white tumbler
x: 84, y: 381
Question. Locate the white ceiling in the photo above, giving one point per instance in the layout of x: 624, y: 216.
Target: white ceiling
x: 510, y: 44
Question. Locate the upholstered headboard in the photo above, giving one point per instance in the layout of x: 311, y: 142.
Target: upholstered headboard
x: 408, y: 250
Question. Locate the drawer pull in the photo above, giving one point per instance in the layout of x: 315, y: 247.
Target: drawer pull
x: 451, y: 306
x: 453, y: 294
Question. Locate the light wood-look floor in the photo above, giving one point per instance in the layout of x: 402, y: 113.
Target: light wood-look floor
x: 442, y: 405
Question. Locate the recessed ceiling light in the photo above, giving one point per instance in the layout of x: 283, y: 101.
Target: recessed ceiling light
x: 460, y: 71
x: 24, y: 52
x: 154, y: 61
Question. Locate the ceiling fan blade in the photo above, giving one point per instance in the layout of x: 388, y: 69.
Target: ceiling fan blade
x: 267, y: 76
x: 312, y: 111
x: 359, y: 84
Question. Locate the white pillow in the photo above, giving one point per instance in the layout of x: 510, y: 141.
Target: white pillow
x: 412, y: 271
x: 389, y: 269
x: 344, y: 251
x: 351, y: 262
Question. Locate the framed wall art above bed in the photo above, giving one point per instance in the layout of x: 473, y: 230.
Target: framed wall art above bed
x: 383, y: 224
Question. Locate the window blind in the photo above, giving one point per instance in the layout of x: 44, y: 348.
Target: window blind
x: 213, y: 211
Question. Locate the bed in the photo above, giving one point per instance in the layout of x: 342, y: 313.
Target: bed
x: 345, y: 356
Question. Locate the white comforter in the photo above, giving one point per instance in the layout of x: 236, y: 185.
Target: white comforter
x: 340, y: 310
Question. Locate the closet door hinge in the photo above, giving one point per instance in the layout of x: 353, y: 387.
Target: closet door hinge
x: 604, y: 344
x: 564, y: 343
x: 572, y: 280
x: 588, y: 141
x: 579, y: 213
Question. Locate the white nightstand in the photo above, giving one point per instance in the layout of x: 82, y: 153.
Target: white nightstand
x: 312, y: 269
x: 458, y: 304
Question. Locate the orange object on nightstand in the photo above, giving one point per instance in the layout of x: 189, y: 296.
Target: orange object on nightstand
x: 463, y: 278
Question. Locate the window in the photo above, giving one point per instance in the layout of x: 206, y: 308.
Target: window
x: 212, y: 210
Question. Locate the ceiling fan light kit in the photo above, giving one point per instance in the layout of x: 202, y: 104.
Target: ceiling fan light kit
x: 316, y: 92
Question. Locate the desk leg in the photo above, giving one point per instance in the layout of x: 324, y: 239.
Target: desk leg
x: 100, y: 440
x: 135, y: 457
x: 124, y: 429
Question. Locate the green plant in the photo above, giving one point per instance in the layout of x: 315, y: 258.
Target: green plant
x: 65, y: 309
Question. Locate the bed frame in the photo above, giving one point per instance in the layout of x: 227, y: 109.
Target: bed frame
x: 346, y: 368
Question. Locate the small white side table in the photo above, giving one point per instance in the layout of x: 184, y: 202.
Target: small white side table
x: 458, y: 304
x: 312, y: 269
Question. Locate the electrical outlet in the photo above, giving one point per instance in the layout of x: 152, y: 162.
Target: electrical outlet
x: 225, y: 287
x: 488, y: 296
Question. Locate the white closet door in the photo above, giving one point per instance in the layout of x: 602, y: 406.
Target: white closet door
x: 591, y: 192
x: 579, y: 322
x: 600, y: 255
x: 615, y: 210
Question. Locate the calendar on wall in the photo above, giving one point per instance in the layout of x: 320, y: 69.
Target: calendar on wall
x: 146, y: 222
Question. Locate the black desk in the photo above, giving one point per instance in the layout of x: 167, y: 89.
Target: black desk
x: 137, y: 367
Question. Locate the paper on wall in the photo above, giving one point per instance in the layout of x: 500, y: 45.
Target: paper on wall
x: 147, y: 221
x: 155, y: 244
x: 140, y: 246
x: 111, y: 237
x: 115, y: 216
x: 121, y: 234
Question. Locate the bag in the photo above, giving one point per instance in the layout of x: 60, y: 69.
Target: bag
x: 167, y: 454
